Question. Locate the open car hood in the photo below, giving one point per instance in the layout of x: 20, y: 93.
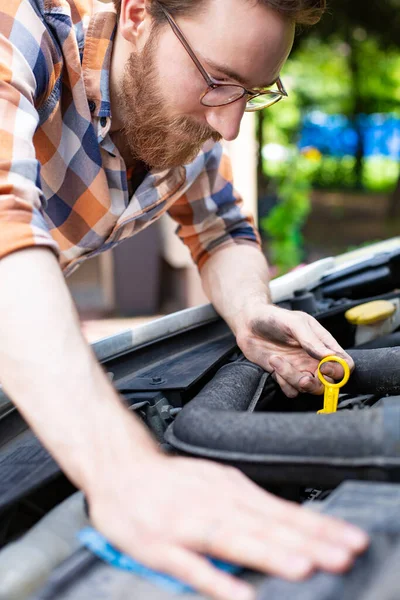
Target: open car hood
x: 172, y: 373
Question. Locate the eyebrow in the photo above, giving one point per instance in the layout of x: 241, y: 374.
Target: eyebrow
x: 233, y: 75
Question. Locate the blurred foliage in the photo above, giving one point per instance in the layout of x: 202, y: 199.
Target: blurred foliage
x: 380, y: 19
x: 283, y: 224
x: 349, y: 64
x: 318, y: 77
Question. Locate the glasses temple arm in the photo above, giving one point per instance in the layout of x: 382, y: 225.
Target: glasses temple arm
x: 196, y: 61
x: 186, y: 45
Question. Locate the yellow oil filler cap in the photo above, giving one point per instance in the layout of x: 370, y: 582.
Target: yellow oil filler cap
x: 331, y: 393
x: 370, y: 312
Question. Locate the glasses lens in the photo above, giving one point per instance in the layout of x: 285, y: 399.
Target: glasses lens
x: 263, y: 101
x: 224, y: 94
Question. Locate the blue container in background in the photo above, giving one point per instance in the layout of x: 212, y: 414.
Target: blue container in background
x: 335, y: 135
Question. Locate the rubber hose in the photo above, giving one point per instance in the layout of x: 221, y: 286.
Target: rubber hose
x: 299, y: 448
x: 220, y: 417
x: 391, y: 340
x: 376, y: 371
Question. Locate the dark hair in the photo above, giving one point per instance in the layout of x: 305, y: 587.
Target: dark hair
x: 303, y: 12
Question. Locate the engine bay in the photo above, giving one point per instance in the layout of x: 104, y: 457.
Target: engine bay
x: 196, y: 392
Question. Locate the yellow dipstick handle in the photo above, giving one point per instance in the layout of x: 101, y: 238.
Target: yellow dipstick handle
x: 331, y: 394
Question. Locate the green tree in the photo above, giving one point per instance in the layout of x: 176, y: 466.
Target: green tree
x: 363, y: 24
x: 348, y: 64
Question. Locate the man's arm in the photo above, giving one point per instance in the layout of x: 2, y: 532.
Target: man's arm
x: 134, y: 492
x: 49, y: 371
x: 289, y: 343
x: 225, y: 245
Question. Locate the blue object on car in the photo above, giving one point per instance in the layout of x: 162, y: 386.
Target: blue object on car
x: 101, y: 547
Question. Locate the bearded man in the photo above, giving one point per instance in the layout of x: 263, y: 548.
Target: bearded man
x: 110, y: 116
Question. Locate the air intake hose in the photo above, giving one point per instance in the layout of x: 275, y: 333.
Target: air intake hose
x: 302, y: 448
x: 376, y: 371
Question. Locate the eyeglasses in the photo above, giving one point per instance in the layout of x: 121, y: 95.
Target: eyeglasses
x: 220, y: 93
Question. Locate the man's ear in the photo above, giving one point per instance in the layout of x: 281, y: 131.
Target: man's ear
x: 132, y: 20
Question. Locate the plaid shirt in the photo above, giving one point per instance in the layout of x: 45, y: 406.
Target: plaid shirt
x: 63, y: 183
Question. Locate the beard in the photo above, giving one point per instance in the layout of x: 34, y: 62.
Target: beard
x: 160, y: 141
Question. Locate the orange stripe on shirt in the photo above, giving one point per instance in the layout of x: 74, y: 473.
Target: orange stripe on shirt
x: 6, y: 145
x: 225, y: 168
x: 11, y: 7
x: 45, y: 150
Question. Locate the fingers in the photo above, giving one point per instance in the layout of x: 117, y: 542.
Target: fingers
x: 197, y: 572
x: 315, y: 339
x: 332, y: 370
x: 277, y: 548
x: 334, y: 530
x: 318, y: 343
x: 322, y: 526
x: 264, y: 553
x: 307, y: 332
x: 326, y: 529
x: 294, y: 354
x: 264, y: 533
x: 286, y: 388
x: 292, y: 380
x: 230, y: 518
x: 333, y: 347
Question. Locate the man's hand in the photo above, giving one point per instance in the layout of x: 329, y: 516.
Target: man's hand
x: 165, y: 512
x: 290, y: 344
x: 168, y: 512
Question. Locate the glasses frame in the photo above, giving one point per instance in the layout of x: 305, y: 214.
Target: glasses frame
x: 213, y: 83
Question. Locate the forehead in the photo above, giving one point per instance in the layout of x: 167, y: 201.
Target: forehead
x: 245, y: 36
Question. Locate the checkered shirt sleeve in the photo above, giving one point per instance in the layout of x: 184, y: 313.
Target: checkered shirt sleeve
x: 210, y: 214
x: 26, y: 73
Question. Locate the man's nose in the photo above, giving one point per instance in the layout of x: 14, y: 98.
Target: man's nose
x: 226, y: 119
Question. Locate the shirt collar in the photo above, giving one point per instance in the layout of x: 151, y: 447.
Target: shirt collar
x: 97, y: 57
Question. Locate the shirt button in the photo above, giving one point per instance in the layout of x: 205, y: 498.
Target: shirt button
x: 92, y: 105
x: 103, y: 121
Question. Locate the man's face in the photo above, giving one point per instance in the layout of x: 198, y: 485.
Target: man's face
x: 236, y: 41
x: 155, y: 134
